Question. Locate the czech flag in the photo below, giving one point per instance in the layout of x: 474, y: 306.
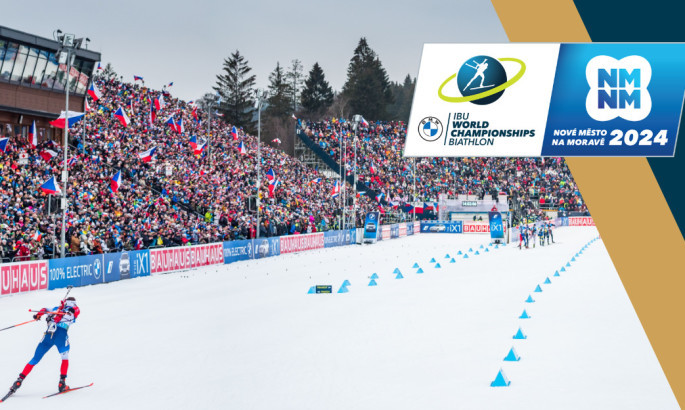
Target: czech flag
x: 3, y: 144
x: 71, y: 161
x: 147, y: 155
x: 74, y: 117
x: 428, y: 206
x: 241, y: 148
x: 122, y: 117
x: 272, y: 187
x: 99, y: 66
x: 33, y: 135
x: 37, y: 236
x: 336, y: 189
x: 193, y: 142
x: 171, y: 122
x: 48, y: 154
x: 234, y: 133
x: 170, y: 84
x: 86, y: 106
x: 94, y: 92
x: 115, y: 183
x: 372, y: 169
x: 179, y: 126
x: 51, y: 187
x: 159, y: 102
x: 153, y: 114
x: 379, y: 197
x: 199, y: 148
x: 271, y: 175
x: 137, y: 77
x: 364, y: 123
x: 316, y: 180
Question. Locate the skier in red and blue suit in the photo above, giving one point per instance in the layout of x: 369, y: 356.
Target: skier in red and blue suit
x: 59, y: 319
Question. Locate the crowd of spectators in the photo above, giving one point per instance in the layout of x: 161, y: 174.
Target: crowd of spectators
x: 534, y: 183
x: 184, y: 198
x: 177, y: 199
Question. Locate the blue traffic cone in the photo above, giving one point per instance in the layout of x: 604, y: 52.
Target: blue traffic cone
x: 447, y: 256
x: 374, y: 276
x: 459, y: 253
x: 524, y: 315
x: 416, y: 265
x: 452, y: 260
x: 312, y: 290
x: 538, y: 289
x: 519, y: 335
x: 399, y: 276
x: 547, y: 281
x: 373, y: 282
x: 343, y: 289
x: 437, y: 265
x: 397, y: 270
x: 346, y: 283
x: 512, y: 356
x: 432, y: 260
x: 501, y: 380
x: 477, y: 253
x: 466, y: 256
x: 419, y: 271
x: 556, y: 273
x: 530, y: 299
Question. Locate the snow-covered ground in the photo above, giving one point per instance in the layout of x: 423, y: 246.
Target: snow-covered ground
x: 248, y: 336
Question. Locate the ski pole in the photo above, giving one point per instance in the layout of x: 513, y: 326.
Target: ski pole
x: 68, y: 290
x: 29, y: 321
x: 47, y: 312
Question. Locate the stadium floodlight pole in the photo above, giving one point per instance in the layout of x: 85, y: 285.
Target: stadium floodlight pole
x: 209, y: 134
x: 261, y: 96
x: 68, y: 44
x: 355, y: 127
x: 343, y: 161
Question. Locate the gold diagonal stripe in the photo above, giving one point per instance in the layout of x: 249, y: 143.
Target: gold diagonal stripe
x: 625, y: 200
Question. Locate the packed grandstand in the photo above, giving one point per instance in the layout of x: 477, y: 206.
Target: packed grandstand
x: 180, y: 198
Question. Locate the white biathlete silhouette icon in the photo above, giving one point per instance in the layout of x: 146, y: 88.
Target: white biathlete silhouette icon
x: 480, y: 69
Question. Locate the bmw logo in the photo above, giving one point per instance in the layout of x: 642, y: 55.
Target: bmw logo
x: 430, y: 129
x: 96, y: 268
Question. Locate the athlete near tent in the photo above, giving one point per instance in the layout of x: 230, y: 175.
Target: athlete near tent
x: 58, y: 320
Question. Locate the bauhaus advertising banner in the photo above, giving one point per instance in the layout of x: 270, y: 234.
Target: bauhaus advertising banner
x: 551, y: 99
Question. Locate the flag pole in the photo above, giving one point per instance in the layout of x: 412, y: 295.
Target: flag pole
x: 65, y: 170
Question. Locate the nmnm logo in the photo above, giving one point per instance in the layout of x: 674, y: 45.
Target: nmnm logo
x: 618, y: 88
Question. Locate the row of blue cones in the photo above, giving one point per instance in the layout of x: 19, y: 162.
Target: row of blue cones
x: 501, y: 379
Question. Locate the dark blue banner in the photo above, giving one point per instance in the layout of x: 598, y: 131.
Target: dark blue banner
x: 265, y: 247
x: 410, y: 228
x: 76, y: 271
x: 126, y: 265
x: 371, y: 225
x: 238, y: 251
x: 441, y: 227
x: 496, y: 226
x: 395, y: 231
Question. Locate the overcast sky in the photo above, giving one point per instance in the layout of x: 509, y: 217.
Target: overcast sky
x: 187, y: 41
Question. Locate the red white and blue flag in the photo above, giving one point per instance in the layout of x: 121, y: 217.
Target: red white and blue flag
x: 199, y: 148
x: 3, y: 144
x: 48, y: 154
x: 122, y: 117
x: 197, y: 119
x: 86, y: 106
x: 33, y: 135
x: 153, y: 114
x: 37, y: 236
x: 241, y: 148
x: 51, y: 187
x: 146, y: 156
x: 272, y: 187
x: 170, y: 84
x: 74, y: 117
x: 271, y: 175
x: 234, y: 133
x: 94, y: 92
x: 137, y: 77
x: 115, y: 183
x: 171, y: 122
x: 71, y: 162
x: 372, y: 169
x: 159, y: 102
x: 336, y: 189
x: 193, y: 142
x: 379, y: 197
x: 364, y: 123
x: 316, y: 180
x: 99, y: 66
x: 179, y: 126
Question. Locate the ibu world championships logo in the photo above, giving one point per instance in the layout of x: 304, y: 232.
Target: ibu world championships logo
x: 482, y: 80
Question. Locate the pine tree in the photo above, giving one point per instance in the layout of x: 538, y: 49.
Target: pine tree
x: 108, y: 73
x: 236, y: 87
x: 294, y: 77
x: 317, y: 95
x: 367, y: 86
x: 279, y: 94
